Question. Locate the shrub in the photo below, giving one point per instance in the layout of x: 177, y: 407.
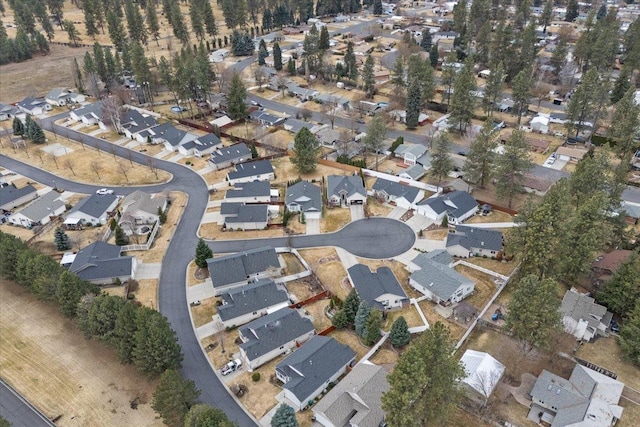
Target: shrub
x: 255, y: 377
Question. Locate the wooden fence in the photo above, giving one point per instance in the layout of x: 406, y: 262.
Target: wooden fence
x: 43, y: 229
x: 310, y: 300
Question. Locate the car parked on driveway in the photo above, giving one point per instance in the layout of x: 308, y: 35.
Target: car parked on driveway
x: 231, y: 367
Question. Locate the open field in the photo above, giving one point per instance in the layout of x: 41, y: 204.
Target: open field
x: 71, y: 160
x: 50, y: 362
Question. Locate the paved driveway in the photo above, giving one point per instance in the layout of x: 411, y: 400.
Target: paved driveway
x: 313, y: 226
x: 148, y: 271
x: 357, y: 212
x: 201, y: 291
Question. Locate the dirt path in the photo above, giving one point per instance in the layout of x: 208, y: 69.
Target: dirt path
x: 45, y: 358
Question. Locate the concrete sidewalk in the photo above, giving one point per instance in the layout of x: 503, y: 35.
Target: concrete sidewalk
x: 347, y: 259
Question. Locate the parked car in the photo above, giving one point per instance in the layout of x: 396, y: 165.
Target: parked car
x: 196, y: 303
x: 231, y: 367
x: 614, y: 326
x: 104, y: 191
x: 485, y: 209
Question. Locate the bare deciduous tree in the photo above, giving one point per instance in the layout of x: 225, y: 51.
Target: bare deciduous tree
x: 68, y: 163
x: 124, y: 169
x: 55, y: 159
x: 260, y: 75
x: 112, y: 112
x: 153, y: 167
x: 331, y: 110
x: 95, y: 166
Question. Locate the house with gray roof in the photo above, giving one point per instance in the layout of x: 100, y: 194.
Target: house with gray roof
x: 468, y: 241
x: 356, y: 401
x: 238, y: 216
x: 8, y: 111
x: 200, y: 146
x: 328, y: 137
x: 397, y: 193
x: 11, y: 197
x: 294, y: 126
x: 266, y: 119
x: 136, y: 125
x: 413, y: 173
x: 39, y: 211
x: 259, y: 170
x: 304, y: 197
x: 272, y: 335
x: 582, y: 317
x: 59, y: 97
x: 346, y: 190
x: 438, y: 281
x: 140, y: 209
x: 229, y: 156
x: 482, y: 372
x: 410, y: 153
x: 230, y: 271
x: 89, y: 115
x: 93, y: 210
x: 587, y: 398
x: 101, y: 263
x: 308, y: 371
x: 334, y: 100
x: 170, y: 136
x: 249, y: 302
x: 34, y: 106
x: 458, y: 206
x: 381, y: 290
x: 249, y: 192
x: 301, y: 93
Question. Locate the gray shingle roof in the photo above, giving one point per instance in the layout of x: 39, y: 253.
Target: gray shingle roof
x: 305, y: 194
x: 273, y: 330
x: 313, y: 364
x: 357, y: 398
x: 231, y: 153
x: 472, y: 237
x: 439, y: 279
x: 141, y: 201
x: 42, y: 207
x: 396, y: 189
x: 631, y: 194
x: 239, y: 212
x: 101, y: 260
x: 249, y: 189
x: 415, y: 172
x: 296, y: 125
x: 350, y: 184
x: 456, y: 203
x: 135, y: 122
x: 583, y: 307
x: 95, y: 205
x: 440, y: 256
x: 371, y: 285
x: 91, y: 109
x: 10, y: 193
x: 246, y: 170
x: 415, y: 149
x: 249, y: 298
x: 238, y: 267
x: 203, y: 142
x: 266, y: 117
x: 171, y: 134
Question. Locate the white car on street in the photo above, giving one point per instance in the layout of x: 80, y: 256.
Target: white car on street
x: 104, y: 191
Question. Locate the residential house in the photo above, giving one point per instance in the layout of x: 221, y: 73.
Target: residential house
x: 582, y: 317
x: 266, y: 119
x: 11, y: 197
x: 536, y: 145
x: 540, y: 124
x: 397, y: 193
x: 410, y: 153
x: 222, y: 122
x: 381, y: 290
x: 249, y: 192
x: 301, y: 93
x: 136, y: 125
x: 308, y: 371
x: 59, y: 97
x: 536, y: 185
x: 89, y: 115
x: 249, y: 302
x: 607, y: 263
x: 39, y: 211
x: 230, y: 271
x: 369, y: 108
x: 93, y: 210
x: 238, y: 216
x: 346, y: 190
x: 440, y: 283
x: 140, y: 209
x: 334, y: 100
x: 304, y: 197
x: 401, y: 116
x: 482, y: 374
x: 101, y: 263
x: 272, y: 335
x: 295, y: 125
x: 200, y: 146
x: 259, y: 170
x: 571, y: 154
x: 229, y: 156
x: 34, y: 106
x: 381, y: 76
x: 587, y: 398
x: 10, y: 112
x: 469, y: 241
x: 218, y: 55
x: 458, y: 206
x: 170, y: 136
x: 413, y: 173
x: 329, y: 137
x: 356, y: 401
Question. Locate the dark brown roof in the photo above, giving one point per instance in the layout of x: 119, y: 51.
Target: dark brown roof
x: 612, y: 260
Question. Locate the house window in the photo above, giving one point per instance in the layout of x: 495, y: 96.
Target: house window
x: 255, y: 312
x: 493, y: 252
x: 281, y: 347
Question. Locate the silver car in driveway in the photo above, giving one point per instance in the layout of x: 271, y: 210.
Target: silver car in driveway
x: 231, y: 367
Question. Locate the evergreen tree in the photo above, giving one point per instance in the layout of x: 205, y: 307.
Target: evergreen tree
x: 547, y: 15
x: 97, y: 316
x: 61, y: 240
x: 630, y: 335
x: 324, y: 42
x: 135, y: 23
x: 376, y: 133
x: 624, y: 126
x: 241, y: 44
x: 424, y: 383
x: 124, y: 332
x: 425, y: 42
x: 262, y: 52
x: 18, y: 127
x: 285, y: 416
x: 559, y: 57
x: 121, y: 237
x: 583, y: 102
x: 377, y: 7
x: 72, y: 32
x: 116, y: 31
x: 621, y: 86
x: 339, y: 319
x: 350, y: 62
x: 99, y: 62
x: 372, y: 327
x: 28, y: 127
x: 493, y: 89
x: 202, y: 415
x: 210, y: 25
x: 203, y: 253
x: 173, y: 398
x: 197, y: 22
x: 463, y: 102
x: 350, y: 306
x: 623, y: 290
x: 306, y: 149
x: 237, y: 108
x: 414, y: 102
x: 361, y: 318
x: 368, y: 79
x: 441, y: 163
x: 533, y: 311
x: 69, y: 292
x: 512, y: 165
x: 480, y: 160
x: 156, y: 347
x: 521, y: 93
x: 37, y: 134
x: 277, y: 57
x: 572, y: 11
x: 291, y: 67
x: 151, y: 17
x: 434, y: 56
x: 397, y: 74
x: 399, y: 334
